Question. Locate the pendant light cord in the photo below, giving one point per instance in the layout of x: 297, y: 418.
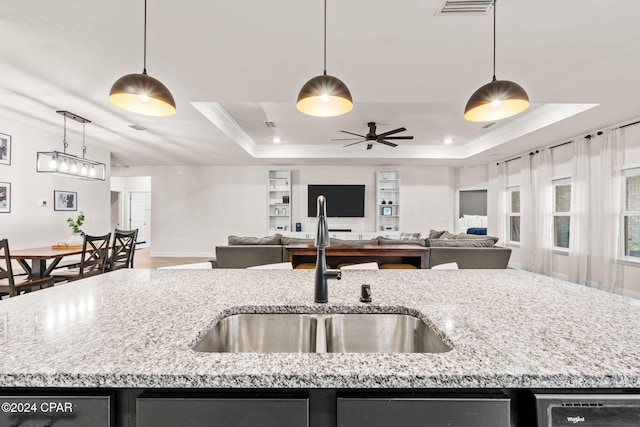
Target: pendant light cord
x: 144, y: 65
x: 325, y: 37
x: 494, y: 39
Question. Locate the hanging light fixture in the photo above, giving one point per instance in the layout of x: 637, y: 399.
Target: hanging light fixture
x: 141, y: 93
x: 64, y: 164
x: 324, y: 96
x: 498, y: 99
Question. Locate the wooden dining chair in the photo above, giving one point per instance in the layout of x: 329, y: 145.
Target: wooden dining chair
x: 123, y: 249
x: 13, y: 285
x: 94, y: 259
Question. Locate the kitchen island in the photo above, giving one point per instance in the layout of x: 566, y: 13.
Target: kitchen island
x: 135, y: 329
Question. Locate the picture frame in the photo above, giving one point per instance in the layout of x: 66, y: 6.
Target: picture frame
x: 5, y: 197
x: 5, y: 149
x: 65, y: 200
x: 386, y: 210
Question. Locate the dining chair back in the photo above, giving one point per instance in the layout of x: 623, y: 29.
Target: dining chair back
x: 12, y: 285
x: 123, y: 249
x: 95, y: 255
x: 93, y: 260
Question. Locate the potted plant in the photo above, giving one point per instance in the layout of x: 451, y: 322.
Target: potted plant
x: 77, y: 233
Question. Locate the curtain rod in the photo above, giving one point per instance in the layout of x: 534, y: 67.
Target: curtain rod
x: 588, y: 136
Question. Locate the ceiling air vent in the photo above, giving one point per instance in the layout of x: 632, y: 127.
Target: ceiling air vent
x: 137, y: 127
x: 488, y: 125
x: 270, y: 124
x: 464, y: 7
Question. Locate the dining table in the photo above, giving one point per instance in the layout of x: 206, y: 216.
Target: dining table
x: 43, y: 259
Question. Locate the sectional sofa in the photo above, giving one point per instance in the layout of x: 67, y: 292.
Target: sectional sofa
x: 468, y: 251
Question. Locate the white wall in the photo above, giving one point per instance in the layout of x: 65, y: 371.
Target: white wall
x: 195, y: 209
x: 29, y: 224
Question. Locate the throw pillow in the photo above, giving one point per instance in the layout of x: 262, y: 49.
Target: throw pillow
x: 276, y: 239
x: 409, y: 236
x: 435, y: 234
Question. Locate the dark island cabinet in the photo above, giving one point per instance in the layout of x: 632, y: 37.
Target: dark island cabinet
x: 423, y: 411
x: 244, y: 411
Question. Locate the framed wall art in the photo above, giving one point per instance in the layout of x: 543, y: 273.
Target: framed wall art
x: 5, y: 149
x: 65, y: 200
x: 5, y: 197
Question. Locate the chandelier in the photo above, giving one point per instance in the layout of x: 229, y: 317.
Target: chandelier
x: 64, y: 164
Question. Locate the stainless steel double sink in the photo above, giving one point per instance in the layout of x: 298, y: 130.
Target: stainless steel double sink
x: 321, y: 333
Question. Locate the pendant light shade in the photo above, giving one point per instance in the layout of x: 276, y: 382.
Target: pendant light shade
x: 324, y: 95
x: 496, y: 100
x: 141, y: 93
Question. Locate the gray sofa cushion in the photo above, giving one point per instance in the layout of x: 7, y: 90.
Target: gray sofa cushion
x: 342, y: 242
x: 276, y: 239
x: 386, y: 241
x: 477, y: 236
x: 243, y: 256
x: 297, y: 241
x: 495, y: 257
x: 461, y: 243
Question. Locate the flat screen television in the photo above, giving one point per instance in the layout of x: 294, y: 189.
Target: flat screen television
x: 343, y: 201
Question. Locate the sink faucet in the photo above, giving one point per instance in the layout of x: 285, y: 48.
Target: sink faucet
x: 322, y: 241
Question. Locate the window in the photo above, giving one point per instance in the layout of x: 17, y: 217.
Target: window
x: 631, y: 214
x: 561, y: 213
x: 513, y: 211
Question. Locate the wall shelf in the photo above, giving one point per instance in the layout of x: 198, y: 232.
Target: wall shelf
x: 279, y: 201
x: 388, y: 190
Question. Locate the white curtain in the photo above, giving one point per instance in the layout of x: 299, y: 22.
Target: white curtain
x: 580, y: 226
x: 501, y: 201
x: 611, y: 187
x: 543, y: 212
x: 527, y: 236
x: 536, y: 193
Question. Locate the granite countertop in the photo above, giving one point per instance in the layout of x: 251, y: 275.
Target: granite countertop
x: 135, y: 328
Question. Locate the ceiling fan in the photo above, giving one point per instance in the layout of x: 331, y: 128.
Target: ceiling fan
x: 372, y: 137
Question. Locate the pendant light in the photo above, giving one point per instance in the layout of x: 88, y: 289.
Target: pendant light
x: 141, y: 93
x: 324, y: 96
x: 498, y: 99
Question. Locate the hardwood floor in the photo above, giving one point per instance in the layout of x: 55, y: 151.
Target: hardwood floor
x: 143, y: 259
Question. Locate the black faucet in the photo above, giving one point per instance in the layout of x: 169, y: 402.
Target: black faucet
x: 322, y: 241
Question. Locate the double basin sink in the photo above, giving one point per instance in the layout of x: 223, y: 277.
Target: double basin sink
x: 321, y: 333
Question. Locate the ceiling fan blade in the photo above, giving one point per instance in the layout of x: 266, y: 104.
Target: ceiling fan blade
x: 390, y: 144
x: 351, y: 133
x: 344, y: 139
x: 369, y: 146
x: 398, y: 137
x: 354, y: 143
x: 391, y: 132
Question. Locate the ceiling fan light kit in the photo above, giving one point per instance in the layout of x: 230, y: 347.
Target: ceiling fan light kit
x: 324, y: 95
x: 496, y: 100
x: 141, y: 93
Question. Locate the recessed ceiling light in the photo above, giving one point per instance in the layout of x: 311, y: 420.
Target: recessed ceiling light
x: 276, y: 140
x: 448, y: 140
